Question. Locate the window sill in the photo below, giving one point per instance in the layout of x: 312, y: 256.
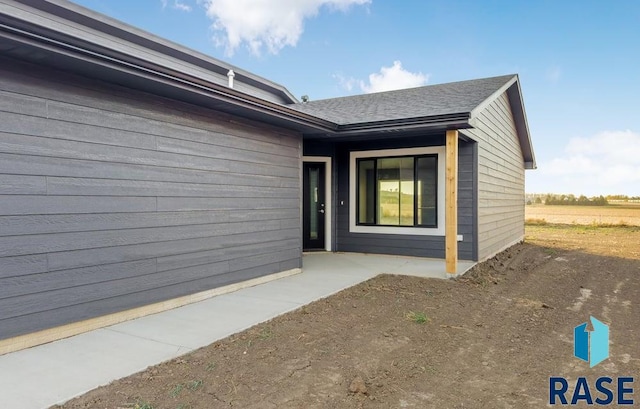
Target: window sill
x: 405, y: 231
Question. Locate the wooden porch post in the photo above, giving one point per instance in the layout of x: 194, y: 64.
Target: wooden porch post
x: 451, y: 202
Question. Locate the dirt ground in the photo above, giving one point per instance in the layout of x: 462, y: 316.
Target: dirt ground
x: 490, y: 339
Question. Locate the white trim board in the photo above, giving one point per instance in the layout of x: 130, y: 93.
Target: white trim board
x: 328, y: 231
x: 416, y: 231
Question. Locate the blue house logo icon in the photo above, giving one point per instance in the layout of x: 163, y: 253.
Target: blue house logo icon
x: 592, y: 347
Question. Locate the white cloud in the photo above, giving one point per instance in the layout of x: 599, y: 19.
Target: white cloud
x: 265, y: 23
x: 606, y: 163
x: 177, y: 4
x: 181, y: 6
x: 394, y: 77
x: 346, y: 83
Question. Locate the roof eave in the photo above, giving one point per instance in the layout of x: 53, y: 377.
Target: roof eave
x: 160, y: 74
x: 448, y: 120
x: 514, y: 93
x: 409, y: 125
x: 66, y: 11
x: 522, y: 126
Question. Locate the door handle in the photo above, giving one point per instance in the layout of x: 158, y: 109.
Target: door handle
x: 321, y: 211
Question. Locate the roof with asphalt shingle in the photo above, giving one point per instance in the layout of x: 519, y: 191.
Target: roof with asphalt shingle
x: 432, y: 100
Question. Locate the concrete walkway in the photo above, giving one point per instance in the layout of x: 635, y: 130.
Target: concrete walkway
x: 54, y: 373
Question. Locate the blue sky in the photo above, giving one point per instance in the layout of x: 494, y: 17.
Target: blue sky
x: 578, y: 61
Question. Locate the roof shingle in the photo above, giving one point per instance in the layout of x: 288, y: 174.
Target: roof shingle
x: 420, y: 102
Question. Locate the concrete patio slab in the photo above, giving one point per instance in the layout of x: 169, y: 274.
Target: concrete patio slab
x: 374, y: 264
x: 54, y: 373
x: 196, y: 325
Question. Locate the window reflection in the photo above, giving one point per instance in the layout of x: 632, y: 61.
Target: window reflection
x: 397, y: 191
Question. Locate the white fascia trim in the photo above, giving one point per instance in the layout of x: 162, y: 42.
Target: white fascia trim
x: 328, y: 232
x: 414, y: 231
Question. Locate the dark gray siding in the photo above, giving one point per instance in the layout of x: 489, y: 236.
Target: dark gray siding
x: 112, y: 199
x: 407, y: 245
x: 468, y: 200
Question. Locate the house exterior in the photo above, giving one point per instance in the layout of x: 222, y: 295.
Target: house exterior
x: 133, y: 178
x: 494, y: 149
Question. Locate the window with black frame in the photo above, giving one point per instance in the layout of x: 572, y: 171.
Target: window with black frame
x: 397, y: 191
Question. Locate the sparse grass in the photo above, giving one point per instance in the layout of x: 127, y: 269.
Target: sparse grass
x: 143, y: 405
x: 535, y: 222
x: 175, y: 392
x: 617, y: 240
x: 417, y: 317
x: 590, y: 227
x: 594, y: 223
x: 211, y: 366
x: 265, y: 333
x: 184, y: 406
x: 621, y: 223
x: 194, y: 385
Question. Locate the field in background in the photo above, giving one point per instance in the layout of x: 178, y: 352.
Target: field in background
x: 613, y: 241
x: 628, y: 214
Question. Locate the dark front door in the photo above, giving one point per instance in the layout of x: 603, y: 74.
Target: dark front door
x: 313, y: 208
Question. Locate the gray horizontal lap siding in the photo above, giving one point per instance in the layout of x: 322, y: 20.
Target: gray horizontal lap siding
x: 112, y: 199
x: 500, y: 179
x: 406, y: 245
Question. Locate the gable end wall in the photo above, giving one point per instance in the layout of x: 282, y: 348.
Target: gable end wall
x: 500, y: 179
